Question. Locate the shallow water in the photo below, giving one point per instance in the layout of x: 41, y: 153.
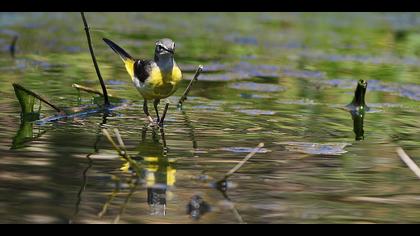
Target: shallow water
x: 279, y: 78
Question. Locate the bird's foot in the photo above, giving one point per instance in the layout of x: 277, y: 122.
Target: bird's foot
x: 152, y: 123
x: 150, y: 119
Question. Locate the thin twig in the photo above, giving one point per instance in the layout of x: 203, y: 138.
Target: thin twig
x: 120, y: 141
x: 241, y: 163
x: 237, y: 215
x: 407, y: 160
x: 108, y: 136
x: 110, y: 198
x: 123, y: 153
x: 98, y: 72
x: 187, y: 90
x: 87, y: 89
x: 18, y: 86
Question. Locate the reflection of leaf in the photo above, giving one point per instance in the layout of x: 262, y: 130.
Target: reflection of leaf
x: 25, y: 134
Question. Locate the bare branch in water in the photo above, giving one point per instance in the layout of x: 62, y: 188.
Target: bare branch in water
x: 187, y: 90
x: 98, y: 72
x: 120, y: 141
x: 241, y: 163
x: 407, y: 160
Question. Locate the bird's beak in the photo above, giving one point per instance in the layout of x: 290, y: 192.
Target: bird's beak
x: 168, y: 50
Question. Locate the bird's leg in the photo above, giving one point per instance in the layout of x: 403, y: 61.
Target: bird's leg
x: 164, y: 113
x: 155, y: 104
x: 146, y: 111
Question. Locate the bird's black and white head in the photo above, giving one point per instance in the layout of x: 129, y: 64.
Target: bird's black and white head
x: 165, y: 48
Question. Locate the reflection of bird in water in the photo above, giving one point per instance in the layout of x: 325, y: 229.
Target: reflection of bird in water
x: 157, y: 171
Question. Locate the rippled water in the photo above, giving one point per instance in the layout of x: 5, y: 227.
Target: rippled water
x: 280, y: 78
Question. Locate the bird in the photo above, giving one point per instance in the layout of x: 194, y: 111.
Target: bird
x: 156, y: 78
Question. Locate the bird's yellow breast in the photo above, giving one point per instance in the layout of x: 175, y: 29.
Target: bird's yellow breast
x: 159, y: 77
x: 161, y: 84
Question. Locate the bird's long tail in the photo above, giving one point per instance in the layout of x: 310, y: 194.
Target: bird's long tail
x: 127, y: 59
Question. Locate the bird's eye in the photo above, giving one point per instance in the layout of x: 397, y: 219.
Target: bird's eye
x: 159, y: 48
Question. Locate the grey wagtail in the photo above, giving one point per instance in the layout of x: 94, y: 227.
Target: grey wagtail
x: 154, y: 79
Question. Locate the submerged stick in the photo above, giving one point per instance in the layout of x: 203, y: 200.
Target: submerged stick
x: 127, y: 199
x: 187, y: 90
x: 110, y: 198
x: 98, y: 72
x: 108, y: 136
x: 122, y: 150
x: 120, y: 140
x: 18, y: 86
x: 407, y: 160
x: 241, y: 163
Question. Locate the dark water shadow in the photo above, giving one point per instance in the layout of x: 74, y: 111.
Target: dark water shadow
x: 89, y: 165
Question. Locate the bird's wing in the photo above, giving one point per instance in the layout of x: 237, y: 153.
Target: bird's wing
x: 142, y: 69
